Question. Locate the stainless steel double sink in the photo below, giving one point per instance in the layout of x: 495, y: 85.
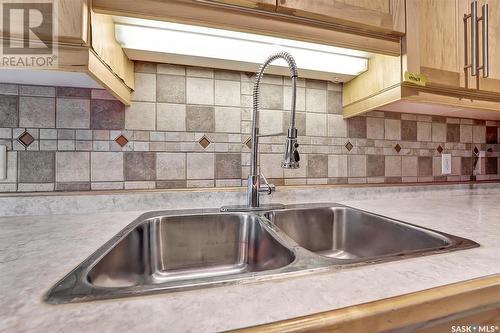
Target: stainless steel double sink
x: 179, y: 250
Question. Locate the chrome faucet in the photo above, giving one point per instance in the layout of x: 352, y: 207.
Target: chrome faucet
x: 291, y: 157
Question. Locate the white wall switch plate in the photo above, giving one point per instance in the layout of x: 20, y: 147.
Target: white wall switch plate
x: 446, y: 164
x: 3, y: 162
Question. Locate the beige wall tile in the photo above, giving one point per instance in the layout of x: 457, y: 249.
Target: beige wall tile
x: 106, y: 166
x: 200, y: 166
x: 200, y: 72
x: 170, y: 88
x: 393, y: 166
x: 222, y: 74
x: 337, y: 166
x: 316, y: 124
x: 199, y: 91
x: 466, y: 133
x: 392, y: 129
x: 337, y: 126
x: 270, y: 121
x: 409, y: 166
x: 424, y: 131
x: 139, y: 185
x: 145, y: 67
x: 438, y: 132
x: 300, y: 104
x: 270, y: 165
x: 436, y: 166
x: 456, y: 165
x: 316, y: 100
x: 227, y: 93
x: 72, y: 166
x: 334, y: 102
x: 170, y: 117
x: 140, y: 116
x: 73, y: 113
x: 271, y: 96
x: 300, y: 122
x: 479, y: 134
x: 170, y: 166
x: 227, y: 120
x: 36, y: 112
x: 357, y: 165
x: 375, y: 128
x: 200, y: 183
x: 171, y: 69
x: 301, y: 172
x: 144, y: 87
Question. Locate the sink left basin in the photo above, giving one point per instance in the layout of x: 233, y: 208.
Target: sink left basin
x: 162, y: 252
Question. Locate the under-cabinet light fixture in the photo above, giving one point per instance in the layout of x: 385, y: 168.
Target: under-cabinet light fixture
x: 209, y: 43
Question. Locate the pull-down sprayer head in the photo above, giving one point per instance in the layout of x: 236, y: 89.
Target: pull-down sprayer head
x: 291, y: 157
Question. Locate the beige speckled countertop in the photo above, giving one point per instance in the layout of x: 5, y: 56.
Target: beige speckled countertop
x: 36, y: 251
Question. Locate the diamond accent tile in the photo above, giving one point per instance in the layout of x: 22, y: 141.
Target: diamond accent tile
x: 26, y: 139
x: 397, y: 148
x: 349, y: 146
x: 204, y: 142
x: 248, y: 143
x: 121, y: 140
x: 439, y: 149
x: 476, y: 151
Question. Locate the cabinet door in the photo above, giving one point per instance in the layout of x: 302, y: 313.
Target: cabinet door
x: 492, y: 82
x: 382, y: 16
x: 269, y: 5
x: 438, y: 41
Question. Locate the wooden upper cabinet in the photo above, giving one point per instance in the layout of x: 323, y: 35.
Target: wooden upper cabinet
x: 73, y: 21
x: 433, y: 41
x: 438, y: 43
x: 492, y: 82
x: 269, y: 5
x: 381, y: 16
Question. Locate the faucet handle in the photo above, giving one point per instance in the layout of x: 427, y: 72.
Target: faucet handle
x: 269, y: 188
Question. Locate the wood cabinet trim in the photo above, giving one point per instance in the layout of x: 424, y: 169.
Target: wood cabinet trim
x: 105, y: 46
x: 101, y: 73
x: 441, y: 76
x: 268, y: 5
x: 248, y: 20
x: 406, y: 311
x: 336, y: 12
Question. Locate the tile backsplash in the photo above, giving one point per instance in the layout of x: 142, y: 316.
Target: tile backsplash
x: 189, y: 127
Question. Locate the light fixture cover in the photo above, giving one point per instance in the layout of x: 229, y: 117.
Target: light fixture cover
x: 210, y: 43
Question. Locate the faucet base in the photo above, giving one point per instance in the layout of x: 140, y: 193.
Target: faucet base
x: 243, y: 208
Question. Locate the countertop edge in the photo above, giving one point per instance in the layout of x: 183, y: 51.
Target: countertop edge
x: 413, y: 311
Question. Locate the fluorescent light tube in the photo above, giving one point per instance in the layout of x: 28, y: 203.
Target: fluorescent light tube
x: 189, y: 40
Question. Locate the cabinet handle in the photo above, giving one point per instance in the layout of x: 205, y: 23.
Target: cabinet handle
x: 474, y: 38
x: 484, y: 18
x: 473, y: 65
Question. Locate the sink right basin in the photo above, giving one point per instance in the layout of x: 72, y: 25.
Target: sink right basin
x: 346, y: 233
